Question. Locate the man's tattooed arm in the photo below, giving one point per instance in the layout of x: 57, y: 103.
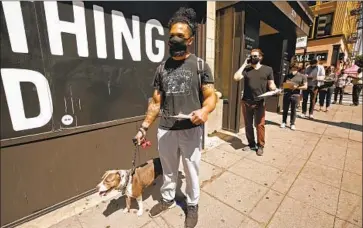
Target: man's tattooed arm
x: 153, y: 109
x: 210, y: 98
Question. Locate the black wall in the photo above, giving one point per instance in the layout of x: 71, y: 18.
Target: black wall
x: 90, y: 89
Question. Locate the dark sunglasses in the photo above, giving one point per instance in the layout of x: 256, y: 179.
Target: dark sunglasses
x: 254, y: 56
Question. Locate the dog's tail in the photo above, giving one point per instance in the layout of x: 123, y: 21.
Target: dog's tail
x: 158, y: 169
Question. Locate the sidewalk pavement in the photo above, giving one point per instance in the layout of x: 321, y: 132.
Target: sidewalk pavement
x: 311, y: 177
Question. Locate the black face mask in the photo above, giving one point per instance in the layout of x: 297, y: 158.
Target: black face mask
x: 177, y: 46
x: 254, y: 61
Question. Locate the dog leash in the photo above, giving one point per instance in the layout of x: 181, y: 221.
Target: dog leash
x: 144, y: 144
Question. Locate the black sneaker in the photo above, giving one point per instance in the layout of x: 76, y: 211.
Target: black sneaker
x: 259, y: 151
x: 161, y: 207
x: 249, y: 148
x: 191, y: 218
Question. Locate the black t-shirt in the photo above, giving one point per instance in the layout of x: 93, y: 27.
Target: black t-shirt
x: 298, y: 79
x: 255, y: 82
x: 180, y: 90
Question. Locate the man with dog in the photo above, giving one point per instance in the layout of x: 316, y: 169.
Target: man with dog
x: 183, y: 84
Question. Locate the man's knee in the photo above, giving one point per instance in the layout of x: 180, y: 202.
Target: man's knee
x: 260, y: 123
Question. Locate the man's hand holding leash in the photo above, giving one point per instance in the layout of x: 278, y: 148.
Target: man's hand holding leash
x: 152, y: 112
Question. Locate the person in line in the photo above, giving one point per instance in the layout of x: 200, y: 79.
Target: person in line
x: 339, y: 87
x: 327, y: 89
x: 301, y: 71
x: 181, y: 86
x: 294, y: 82
x: 312, y: 72
x: 357, y: 87
x: 257, y: 78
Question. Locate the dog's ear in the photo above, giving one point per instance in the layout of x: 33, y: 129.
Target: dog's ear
x: 104, y: 175
x: 108, y: 172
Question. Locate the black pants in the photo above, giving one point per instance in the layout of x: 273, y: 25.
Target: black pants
x: 311, y: 91
x: 293, y: 100
x: 317, y: 94
x: 325, y: 95
x: 356, y: 92
x: 340, y: 91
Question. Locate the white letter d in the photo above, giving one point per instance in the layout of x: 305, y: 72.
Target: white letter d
x: 11, y: 80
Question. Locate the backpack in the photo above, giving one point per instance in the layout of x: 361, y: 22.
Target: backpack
x: 200, y: 70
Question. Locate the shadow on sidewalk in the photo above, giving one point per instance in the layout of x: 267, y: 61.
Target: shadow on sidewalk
x: 346, y: 125
x: 268, y: 122
x: 234, y: 141
x: 151, y: 191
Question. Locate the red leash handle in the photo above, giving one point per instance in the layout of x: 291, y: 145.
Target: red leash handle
x: 145, y: 144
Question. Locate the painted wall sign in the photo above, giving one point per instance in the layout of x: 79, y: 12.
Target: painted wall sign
x: 72, y: 64
x: 252, y: 29
x: 310, y: 56
x: 301, y: 42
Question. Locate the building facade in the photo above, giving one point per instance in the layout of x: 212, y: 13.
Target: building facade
x: 358, y: 46
x: 242, y: 26
x: 333, y: 34
x: 75, y: 83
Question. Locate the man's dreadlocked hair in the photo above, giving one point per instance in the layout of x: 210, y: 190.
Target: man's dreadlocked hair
x: 187, y: 16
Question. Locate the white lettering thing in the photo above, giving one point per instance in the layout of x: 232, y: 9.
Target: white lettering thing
x: 56, y: 27
x: 120, y: 29
x: 100, y: 31
x: 11, y: 80
x: 15, y: 23
x: 160, y: 45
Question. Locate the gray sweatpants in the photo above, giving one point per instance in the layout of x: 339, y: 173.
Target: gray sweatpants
x: 188, y: 144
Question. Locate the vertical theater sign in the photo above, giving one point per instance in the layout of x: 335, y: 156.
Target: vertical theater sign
x: 68, y: 65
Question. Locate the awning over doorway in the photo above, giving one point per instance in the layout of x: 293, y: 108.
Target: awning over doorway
x: 352, y: 70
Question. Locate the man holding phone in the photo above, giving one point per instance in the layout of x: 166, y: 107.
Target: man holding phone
x: 257, y: 78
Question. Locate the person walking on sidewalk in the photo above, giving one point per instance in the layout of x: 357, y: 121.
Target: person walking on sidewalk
x: 339, y: 87
x: 312, y: 72
x: 294, y: 82
x: 357, y: 87
x: 183, y: 85
x: 301, y: 71
x: 327, y: 89
x: 257, y: 78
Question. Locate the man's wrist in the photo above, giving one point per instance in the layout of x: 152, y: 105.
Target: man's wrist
x: 145, y: 126
x: 206, y: 109
x: 143, y: 131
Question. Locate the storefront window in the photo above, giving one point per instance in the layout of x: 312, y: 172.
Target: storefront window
x: 324, y: 24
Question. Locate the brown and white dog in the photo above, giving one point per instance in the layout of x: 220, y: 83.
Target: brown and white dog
x: 143, y: 176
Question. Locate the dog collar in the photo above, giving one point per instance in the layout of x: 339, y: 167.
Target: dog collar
x: 127, y: 182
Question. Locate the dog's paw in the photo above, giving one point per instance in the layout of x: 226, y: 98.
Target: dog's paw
x: 139, y: 212
x: 125, y: 211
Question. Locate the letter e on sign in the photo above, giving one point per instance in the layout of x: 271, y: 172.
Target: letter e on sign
x: 11, y: 81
